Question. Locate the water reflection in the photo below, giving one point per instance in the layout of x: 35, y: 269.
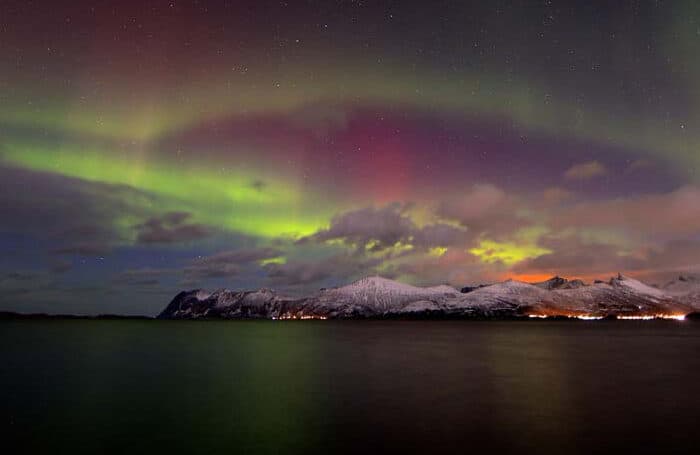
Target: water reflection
x: 533, y: 392
x: 350, y: 387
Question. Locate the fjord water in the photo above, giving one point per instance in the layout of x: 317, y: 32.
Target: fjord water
x: 350, y: 387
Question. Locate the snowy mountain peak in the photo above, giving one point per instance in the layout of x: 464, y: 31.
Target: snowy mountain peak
x: 386, y: 286
x: 557, y: 282
x: 635, y: 286
x: 553, y: 283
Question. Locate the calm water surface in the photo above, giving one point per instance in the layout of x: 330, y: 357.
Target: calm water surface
x: 350, y: 387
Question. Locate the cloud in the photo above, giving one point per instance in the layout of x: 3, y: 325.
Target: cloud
x: 481, y: 201
x: 675, y: 255
x: 437, y: 252
x: 555, y: 195
x: 440, y: 235
x: 258, y: 184
x: 486, y: 211
x: 585, y: 171
x: 571, y: 256
x: 227, y: 264
x: 640, y: 164
x: 374, y: 233
x: 171, y: 227
x: 655, y: 216
x: 381, y: 229
x: 71, y: 215
x: 456, y: 267
x: 574, y: 256
x: 368, y: 228
x: 302, y: 274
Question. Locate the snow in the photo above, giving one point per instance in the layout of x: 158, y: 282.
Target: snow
x: 683, y: 285
x: 377, y: 295
x: 385, y: 290
x: 201, y: 294
x: 442, y: 289
x: 507, y: 293
x: 637, y: 286
x: 385, y: 285
x: 420, y: 306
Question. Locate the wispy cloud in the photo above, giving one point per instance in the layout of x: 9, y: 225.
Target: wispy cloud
x: 586, y: 171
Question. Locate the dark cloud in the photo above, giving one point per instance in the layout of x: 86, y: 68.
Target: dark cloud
x: 171, y: 227
x: 72, y: 215
x: 377, y: 229
x: 440, y: 235
x: 227, y: 264
x: 258, y: 185
x: 304, y: 274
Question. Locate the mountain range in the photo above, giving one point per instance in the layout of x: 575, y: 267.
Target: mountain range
x: 377, y: 297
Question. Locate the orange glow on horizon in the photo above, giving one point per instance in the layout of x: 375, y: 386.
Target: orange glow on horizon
x: 534, y: 277
x: 530, y: 277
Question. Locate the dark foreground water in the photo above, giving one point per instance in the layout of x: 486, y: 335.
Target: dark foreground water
x: 350, y: 387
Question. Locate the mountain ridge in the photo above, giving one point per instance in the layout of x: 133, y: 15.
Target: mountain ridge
x: 378, y: 297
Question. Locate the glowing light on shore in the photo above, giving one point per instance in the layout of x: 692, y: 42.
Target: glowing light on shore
x: 647, y: 317
x: 285, y: 317
x: 590, y: 317
x: 585, y: 317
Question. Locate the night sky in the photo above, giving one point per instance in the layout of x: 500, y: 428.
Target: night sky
x: 152, y: 146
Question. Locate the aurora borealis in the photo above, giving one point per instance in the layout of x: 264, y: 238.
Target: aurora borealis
x: 151, y: 146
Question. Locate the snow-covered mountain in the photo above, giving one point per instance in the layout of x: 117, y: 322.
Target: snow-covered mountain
x: 621, y: 296
x: 375, y: 295
x: 226, y: 304
x: 685, y: 288
x: 381, y: 297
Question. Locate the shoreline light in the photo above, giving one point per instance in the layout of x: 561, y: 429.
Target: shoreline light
x: 589, y: 317
x: 287, y: 317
